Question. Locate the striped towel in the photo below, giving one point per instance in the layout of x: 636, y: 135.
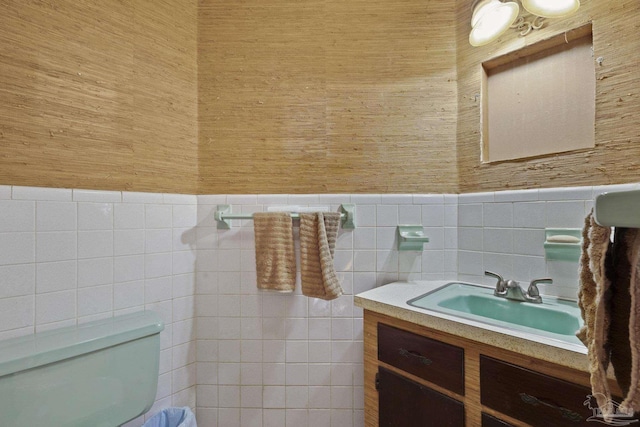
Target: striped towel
x: 275, y: 251
x: 318, y: 234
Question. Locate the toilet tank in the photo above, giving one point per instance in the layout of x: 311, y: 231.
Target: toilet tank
x: 99, y: 374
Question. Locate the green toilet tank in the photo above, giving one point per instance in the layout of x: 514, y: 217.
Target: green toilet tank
x: 98, y: 374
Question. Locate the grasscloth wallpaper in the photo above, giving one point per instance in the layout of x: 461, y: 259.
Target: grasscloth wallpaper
x: 312, y: 97
x: 99, y: 94
x: 326, y: 96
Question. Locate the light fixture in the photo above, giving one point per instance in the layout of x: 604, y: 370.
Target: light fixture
x: 490, y: 19
x: 551, y: 8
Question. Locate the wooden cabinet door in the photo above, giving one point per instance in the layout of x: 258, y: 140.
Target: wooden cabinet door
x: 405, y: 403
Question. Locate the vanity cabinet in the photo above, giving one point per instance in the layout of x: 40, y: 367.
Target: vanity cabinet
x: 416, y: 376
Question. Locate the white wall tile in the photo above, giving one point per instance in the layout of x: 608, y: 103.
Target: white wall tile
x: 95, y: 271
x: 433, y: 215
x: 185, y: 215
x: 17, y: 248
x: 56, y: 276
x: 158, y: 216
x: 157, y: 265
x: 387, y: 215
x: 94, y: 244
x: 529, y: 214
x: 5, y: 192
x: 17, y: 280
x: 566, y: 193
x: 96, y: 196
x: 498, y: 240
x: 158, y: 240
x: 56, y: 246
x: 128, y: 268
x: 95, y: 216
x: 128, y: 216
x: 41, y: 193
x: 17, y: 312
x: 565, y: 214
x: 366, y: 215
x: 497, y: 215
x: 128, y: 242
x: 516, y: 196
x: 128, y: 294
x: 470, y: 238
x: 17, y: 216
x: 96, y: 299
x: 470, y: 215
x: 55, y: 306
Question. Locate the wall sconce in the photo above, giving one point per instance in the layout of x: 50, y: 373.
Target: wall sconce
x: 491, y: 18
x: 551, y: 8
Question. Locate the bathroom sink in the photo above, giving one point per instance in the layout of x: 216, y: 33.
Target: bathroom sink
x: 554, y: 318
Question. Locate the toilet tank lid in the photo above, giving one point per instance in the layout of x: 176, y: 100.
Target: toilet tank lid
x: 27, y: 352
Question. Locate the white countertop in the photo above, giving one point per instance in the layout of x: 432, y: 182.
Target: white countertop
x: 391, y: 300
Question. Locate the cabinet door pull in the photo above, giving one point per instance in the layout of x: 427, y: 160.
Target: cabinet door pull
x: 410, y: 353
x: 566, y: 413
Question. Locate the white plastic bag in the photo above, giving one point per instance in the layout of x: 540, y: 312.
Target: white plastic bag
x: 172, y: 417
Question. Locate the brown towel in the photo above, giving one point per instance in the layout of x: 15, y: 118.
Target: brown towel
x: 593, y: 295
x: 318, y: 234
x: 275, y: 252
x: 623, y: 244
x: 629, y: 370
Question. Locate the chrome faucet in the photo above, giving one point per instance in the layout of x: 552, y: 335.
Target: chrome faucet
x: 510, y: 289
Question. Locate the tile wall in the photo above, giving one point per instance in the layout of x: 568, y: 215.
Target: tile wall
x: 504, y: 232
x: 255, y: 358
x: 267, y: 360
x: 70, y: 256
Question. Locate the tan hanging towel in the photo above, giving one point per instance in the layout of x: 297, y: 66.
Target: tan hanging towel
x: 275, y: 251
x: 593, y: 295
x: 318, y: 234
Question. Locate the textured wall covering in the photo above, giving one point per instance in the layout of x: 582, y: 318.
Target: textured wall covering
x: 98, y: 94
x: 322, y: 97
x: 215, y: 96
x: 615, y: 158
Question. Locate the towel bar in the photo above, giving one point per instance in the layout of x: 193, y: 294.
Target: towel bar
x: 223, y: 215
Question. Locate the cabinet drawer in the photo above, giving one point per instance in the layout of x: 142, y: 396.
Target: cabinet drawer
x: 532, y: 397
x: 435, y: 361
x: 405, y: 403
x: 489, y: 421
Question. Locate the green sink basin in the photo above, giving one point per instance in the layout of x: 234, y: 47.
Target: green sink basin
x: 554, y: 318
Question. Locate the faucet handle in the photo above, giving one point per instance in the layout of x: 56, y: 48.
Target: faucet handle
x: 533, y: 290
x: 500, y: 286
